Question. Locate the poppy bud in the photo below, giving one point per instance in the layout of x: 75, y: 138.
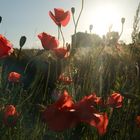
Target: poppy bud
x: 73, y: 10
x: 122, y: 20
x: 0, y: 19
x: 90, y: 28
x: 22, y: 41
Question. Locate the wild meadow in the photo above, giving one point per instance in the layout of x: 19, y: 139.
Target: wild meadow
x: 68, y: 92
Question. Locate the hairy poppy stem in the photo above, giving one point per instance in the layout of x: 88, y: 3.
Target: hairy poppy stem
x: 46, y: 87
x: 58, y: 32
x: 121, y: 31
x: 62, y: 37
x: 79, y: 16
x: 9, y: 132
x: 19, y: 53
x: 76, y: 23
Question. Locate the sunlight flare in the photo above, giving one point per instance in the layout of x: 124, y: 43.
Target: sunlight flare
x: 105, y: 16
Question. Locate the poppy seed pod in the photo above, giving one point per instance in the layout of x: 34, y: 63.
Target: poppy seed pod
x: 73, y: 10
x: 22, y: 41
x: 0, y: 19
x: 90, y: 27
x: 122, y: 20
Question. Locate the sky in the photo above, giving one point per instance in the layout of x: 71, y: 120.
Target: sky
x: 30, y: 17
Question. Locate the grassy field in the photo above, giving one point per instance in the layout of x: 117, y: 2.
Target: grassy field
x: 102, y: 70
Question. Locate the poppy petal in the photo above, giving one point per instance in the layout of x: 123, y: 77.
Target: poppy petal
x: 6, y: 48
x: 53, y: 18
x: 65, y: 19
x: 48, y: 42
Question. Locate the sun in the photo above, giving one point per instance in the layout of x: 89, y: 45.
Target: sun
x: 104, y: 16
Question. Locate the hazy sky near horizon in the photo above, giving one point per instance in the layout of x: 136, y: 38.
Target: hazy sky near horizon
x: 30, y: 17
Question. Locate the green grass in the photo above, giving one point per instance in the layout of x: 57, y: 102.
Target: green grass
x: 99, y: 70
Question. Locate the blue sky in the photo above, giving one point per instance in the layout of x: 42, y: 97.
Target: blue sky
x: 30, y: 17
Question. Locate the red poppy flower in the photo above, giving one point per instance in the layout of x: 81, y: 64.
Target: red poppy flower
x: 61, y: 52
x: 10, y: 115
x: 86, y: 112
x: 66, y: 80
x: 96, y: 100
x: 6, y: 48
x: 48, y: 42
x: 100, y: 121
x: 60, y: 115
x: 115, y: 100
x: 60, y: 17
x: 85, y: 109
x: 138, y: 121
x: 14, y: 77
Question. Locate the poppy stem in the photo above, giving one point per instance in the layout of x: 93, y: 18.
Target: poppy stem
x: 121, y: 31
x: 58, y: 32
x: 9, y: 132
x: 62, y: 37
x: 74, y: 23
x: 19, y: 53
x: 79, y: 16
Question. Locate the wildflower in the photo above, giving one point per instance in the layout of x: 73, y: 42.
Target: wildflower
x: 66, y: 80
x: 61, y: 52
x: 60, y: 115
x: 48, y: 42
x: 60, y: 17
x: 85, y: 109
x: 100, y: 121
x: 87, y: 113
x: 115, y: 100
x: 14, y: 77
x: 6, y: 48
x: 86, y: 106
x: 64, y: 113
x: 10, y: 115
x: 96, y: 100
